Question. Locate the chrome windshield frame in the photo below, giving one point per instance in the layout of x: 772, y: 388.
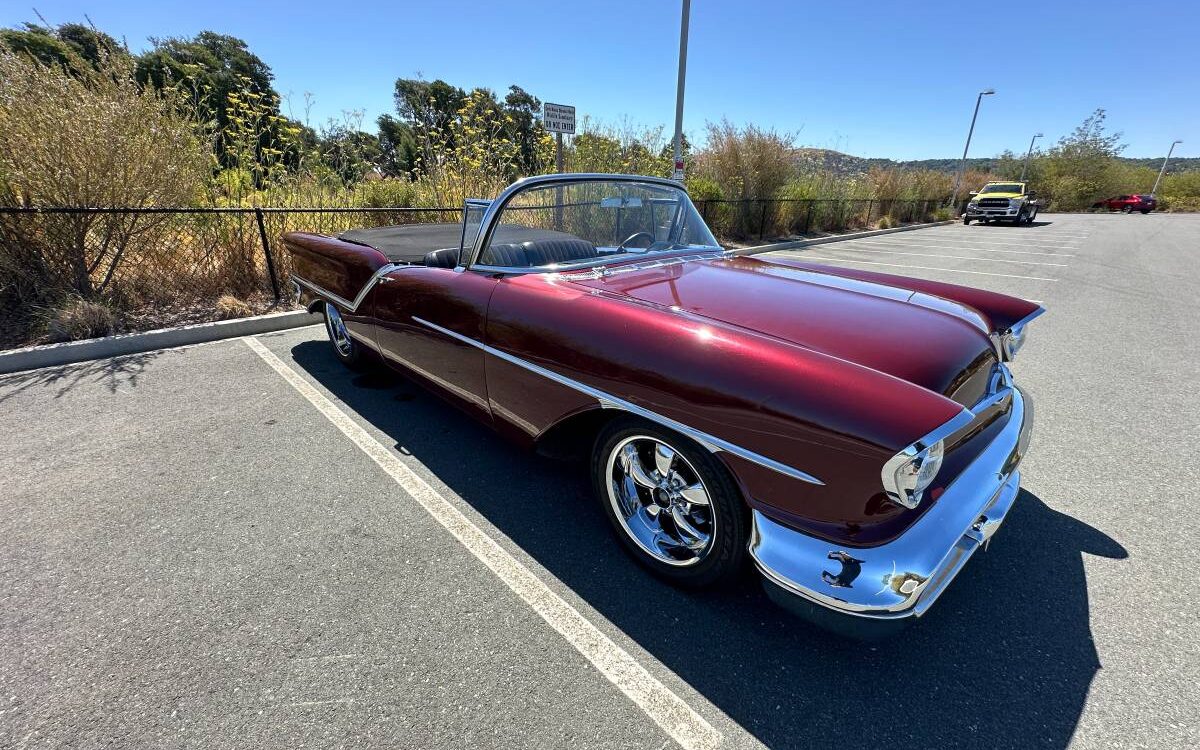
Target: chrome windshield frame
x: 491, y: 216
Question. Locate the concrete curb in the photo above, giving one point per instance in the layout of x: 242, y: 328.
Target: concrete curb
x: 52, y: 355
x: 792, y: 244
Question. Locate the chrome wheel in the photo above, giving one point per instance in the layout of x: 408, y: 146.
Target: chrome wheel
x: 660, y: 500
x: 337, y: 331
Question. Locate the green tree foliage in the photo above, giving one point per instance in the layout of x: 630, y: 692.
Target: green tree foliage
x: 213, y: 67
x: 428, y: 110
x: 73, y: 46
x: 398, y: 148
x: 1081, y: 167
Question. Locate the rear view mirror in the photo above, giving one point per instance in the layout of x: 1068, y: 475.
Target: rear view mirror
x: 973, y: 193
x: 619, y: 202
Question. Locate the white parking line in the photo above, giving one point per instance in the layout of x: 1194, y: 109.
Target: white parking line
x: 667, y: 709
x: 923, y: 268
x: 889, y: 243
x: 955, y: 257
x: 975, y: 240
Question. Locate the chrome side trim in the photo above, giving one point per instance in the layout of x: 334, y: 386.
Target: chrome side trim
x: 904, y: 577
x: 347, y: 305
x: 609, y: 401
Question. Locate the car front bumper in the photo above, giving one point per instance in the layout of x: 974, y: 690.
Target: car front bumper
x: 993, y: 213
x: 870, y: 591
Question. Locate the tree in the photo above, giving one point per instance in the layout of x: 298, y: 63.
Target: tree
x: 220, y: 73
x: 72, y: 46
x: 398, y: 148
x: 1082, y: 167
x: 526, y: 129
x: 427, y: 105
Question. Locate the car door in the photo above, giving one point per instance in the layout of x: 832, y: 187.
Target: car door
x: 412, y: 304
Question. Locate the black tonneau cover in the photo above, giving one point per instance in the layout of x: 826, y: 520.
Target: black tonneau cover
x: 408, y: 243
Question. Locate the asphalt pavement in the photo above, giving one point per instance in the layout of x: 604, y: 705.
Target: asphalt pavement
x: 200, y: 549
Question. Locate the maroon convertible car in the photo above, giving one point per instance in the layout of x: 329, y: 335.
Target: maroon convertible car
x: 855, y: 434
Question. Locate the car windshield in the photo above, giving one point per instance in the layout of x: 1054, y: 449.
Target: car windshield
x: 1007, y: 187
x: 584, y: 222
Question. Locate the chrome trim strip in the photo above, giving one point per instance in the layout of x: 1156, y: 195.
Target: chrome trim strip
x: 904, y: 577
x: 342, y: 301
x: 609, y: 401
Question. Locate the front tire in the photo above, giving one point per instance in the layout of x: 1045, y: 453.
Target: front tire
x: 966, y: 220
x: 346, y: 349
x: 672, y: 504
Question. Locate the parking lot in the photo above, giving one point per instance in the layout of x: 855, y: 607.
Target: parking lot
x: 243, y: 544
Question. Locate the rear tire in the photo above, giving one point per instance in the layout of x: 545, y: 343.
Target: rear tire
x: 1127, y: 210
x: 966, y: 220
x: 644, y: 477
x: 348, y: 351
x: 1145, y: 211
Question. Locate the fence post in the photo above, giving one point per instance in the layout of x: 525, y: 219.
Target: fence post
x: 262, y: 233
x: 870, y: 208
x: 762, y: 221
x: 808, y: 217
x: 704, y: 211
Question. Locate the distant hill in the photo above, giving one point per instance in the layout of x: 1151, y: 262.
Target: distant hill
x: 826, y: 160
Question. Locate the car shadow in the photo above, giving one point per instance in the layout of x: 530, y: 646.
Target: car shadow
x: 1005, y: 659
x: 1009, y: 225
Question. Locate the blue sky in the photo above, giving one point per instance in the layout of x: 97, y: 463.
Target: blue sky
x: 872, y: 79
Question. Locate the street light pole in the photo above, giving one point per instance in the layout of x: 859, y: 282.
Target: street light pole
x: 683, y: 41
x: 1163, y: 171
x: 962, y: 165
x: 1027, y: 153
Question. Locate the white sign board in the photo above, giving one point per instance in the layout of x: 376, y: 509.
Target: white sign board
x: 558, y: 118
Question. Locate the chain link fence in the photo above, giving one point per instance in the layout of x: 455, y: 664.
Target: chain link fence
x: 151, y: 265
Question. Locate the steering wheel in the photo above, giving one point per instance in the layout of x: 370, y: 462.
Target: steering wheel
x: 633, y: 237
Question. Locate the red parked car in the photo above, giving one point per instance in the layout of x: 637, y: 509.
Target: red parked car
x: 1127, y: 204
x: 855, y: 434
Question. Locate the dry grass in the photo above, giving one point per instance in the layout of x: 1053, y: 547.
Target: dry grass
x: 79, y: 319
x: 229, y: 307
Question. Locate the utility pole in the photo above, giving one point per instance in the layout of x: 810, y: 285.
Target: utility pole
x: 1161, y: 172
x: 1027, y: 153
x: 683, y: 41
x: 962, y: 165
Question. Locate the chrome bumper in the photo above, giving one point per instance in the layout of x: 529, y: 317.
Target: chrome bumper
x: 899, y: 580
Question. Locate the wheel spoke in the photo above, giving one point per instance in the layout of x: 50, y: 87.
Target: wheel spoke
x: 691, y: 537
x: 664, y: 458
x: 631, y: 463
x: 695, y: 494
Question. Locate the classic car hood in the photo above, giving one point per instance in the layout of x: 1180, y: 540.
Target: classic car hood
x: 928, y: 341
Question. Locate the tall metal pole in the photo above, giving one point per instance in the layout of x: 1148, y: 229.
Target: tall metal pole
x: 1027, y: 153
x: 683, y: 41
x: 1161, y: 172
x: 962, y: 165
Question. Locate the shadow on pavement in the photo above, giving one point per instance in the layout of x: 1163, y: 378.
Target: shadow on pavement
x: 113, y: 373
x: 1005, y: 659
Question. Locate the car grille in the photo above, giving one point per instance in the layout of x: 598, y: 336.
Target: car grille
x: 993, y: 202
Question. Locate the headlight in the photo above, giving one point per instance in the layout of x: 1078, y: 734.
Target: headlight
x: 909, y: 473
x: 972, y: 205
